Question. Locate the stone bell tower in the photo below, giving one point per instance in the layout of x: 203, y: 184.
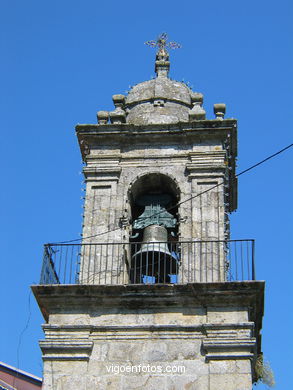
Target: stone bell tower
x: 156, y: 295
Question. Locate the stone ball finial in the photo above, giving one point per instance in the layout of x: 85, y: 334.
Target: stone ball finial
x: 220, y: 110
x: 118, y: 100
x: 197, y: 98
x: 103, y: 117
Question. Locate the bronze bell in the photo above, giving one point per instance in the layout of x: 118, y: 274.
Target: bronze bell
x: 154, y: 260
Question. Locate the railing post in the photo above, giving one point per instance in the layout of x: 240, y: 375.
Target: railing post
x: 252, y: 260
x: 43, y: 271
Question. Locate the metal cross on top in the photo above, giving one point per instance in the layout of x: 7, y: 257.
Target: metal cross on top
x: 162, y: 43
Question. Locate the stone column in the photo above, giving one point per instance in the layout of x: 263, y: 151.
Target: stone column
x: 206, y: 174
x: 102, y: 255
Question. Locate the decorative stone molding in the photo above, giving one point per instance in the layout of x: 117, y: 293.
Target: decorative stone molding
x: 225, y: 332
x: 225, y: 349
x: 207, y: 161
x: 210, y: 159
x: 101, y: 173
x: 103, y: 159
x: 66, y: 349
x: 214, y: 128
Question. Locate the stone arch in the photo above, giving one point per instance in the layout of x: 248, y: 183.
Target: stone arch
x: 153, y: 199
x: 152, y: 181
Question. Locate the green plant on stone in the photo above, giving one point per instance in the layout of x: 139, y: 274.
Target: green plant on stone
x: 264, y: 372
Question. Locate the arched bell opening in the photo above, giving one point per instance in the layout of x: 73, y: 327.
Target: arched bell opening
x: 155, y: 256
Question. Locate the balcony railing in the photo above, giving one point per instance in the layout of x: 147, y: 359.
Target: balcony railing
x: 148, y: 263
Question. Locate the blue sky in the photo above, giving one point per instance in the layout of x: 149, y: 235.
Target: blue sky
x: 61, y: 63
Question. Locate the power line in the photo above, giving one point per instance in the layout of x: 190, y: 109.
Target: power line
x: 21, y: 336
x: 264, y: 160
x: 192, y: 197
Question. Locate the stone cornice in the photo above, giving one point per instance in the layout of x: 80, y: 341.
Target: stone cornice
x: 66, y: 349
x: 106, y: 172
x: 94, y: 136
x: 52, y: 298
x: 75, y: 342
x: 203, y: 328
x: 127, y: 127
x: 105, y: 168
x: 91, y: 134
x: 232, y: 348
x: 206, y: 160
x: 59, y: 333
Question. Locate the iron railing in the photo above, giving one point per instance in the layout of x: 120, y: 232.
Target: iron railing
x: 165, y: 262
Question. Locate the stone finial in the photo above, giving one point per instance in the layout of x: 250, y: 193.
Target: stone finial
x: 197, y: 112
x: 118, y: 115
x: 118, y: 100
x: 220, y: 110
x: 162, y: 65
x: 103, y: 117
x: 197, y: 98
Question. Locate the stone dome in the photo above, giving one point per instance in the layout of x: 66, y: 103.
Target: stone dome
x: 160, y: 100
x: 157, y: 101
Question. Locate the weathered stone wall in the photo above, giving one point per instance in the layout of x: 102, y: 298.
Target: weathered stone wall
x: 215, y: 375
x: 109, y: 178
x: 111, y: 344
x: 194, y: 167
